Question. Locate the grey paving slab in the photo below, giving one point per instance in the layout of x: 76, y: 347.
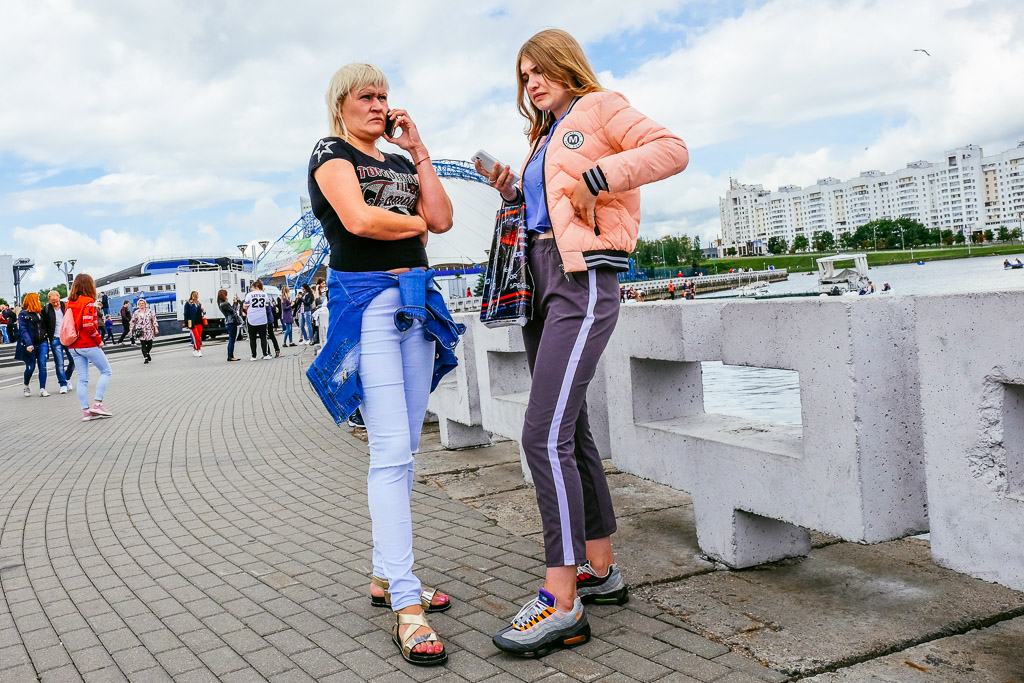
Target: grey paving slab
x: 216, y: 529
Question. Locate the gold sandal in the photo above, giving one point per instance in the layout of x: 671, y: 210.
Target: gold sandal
x: 407, y: 642
x: 426, y: 597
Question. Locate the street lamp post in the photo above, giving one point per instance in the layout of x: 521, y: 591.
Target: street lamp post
x: 66, y: 267
x: 245, y: 248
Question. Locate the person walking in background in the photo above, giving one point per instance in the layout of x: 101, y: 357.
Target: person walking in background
x: 87, y: 349
x: 287, y: 317
x: 230, y: 321
x: 255, y: 307
x: 144, y: 326
x: 590, y: 153
x: 126, y: 322
x: 270, y: 328
x: 277, y: 312
x: 10, y: 323
x: 376, y: 210
x: 106, y: 307
x: 194, y: 315
x: 3, y: 324
x: 236, y: 304
x: 108, y: 329
x: 32, y: 347
x: 53, y: 318
x: 306, y: 319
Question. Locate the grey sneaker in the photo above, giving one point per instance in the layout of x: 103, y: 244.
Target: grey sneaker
x: 609, y: 589
x: 539, y: 628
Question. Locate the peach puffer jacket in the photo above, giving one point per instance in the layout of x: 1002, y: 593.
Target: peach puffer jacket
x: 622, y: 149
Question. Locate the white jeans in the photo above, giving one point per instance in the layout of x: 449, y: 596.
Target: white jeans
x: 395, y: 370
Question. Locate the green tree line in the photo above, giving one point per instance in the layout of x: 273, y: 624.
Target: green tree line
x: 670, y: 251
x: 901, y: 233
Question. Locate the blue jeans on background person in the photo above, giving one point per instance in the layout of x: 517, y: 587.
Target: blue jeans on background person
x: 287, y: 339
x: 306, y: 326
x: 37, y: 357
x: 3, y: 331
x: 232, y: 330
x: 83, y: 357
x: 58, y: 361
x: 396, y: 368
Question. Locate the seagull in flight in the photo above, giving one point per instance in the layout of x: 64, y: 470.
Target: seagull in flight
x: 922, y: 50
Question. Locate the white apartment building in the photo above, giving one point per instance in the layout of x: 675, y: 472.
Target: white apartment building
x: 965, y: 192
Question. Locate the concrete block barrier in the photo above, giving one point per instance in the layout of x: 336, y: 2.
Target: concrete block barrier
x: 456, y: 400
x: 855, y: 468
x: 972, y: 379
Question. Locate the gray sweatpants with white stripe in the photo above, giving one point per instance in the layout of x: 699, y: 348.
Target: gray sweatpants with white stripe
x: 573, y: 318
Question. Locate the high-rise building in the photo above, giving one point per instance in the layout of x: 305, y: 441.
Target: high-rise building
x: 965, y: 192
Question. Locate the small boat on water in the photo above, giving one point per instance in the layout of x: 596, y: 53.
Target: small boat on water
x: 755, y: 289
x: 1012, y: 266
x: 836, y: 278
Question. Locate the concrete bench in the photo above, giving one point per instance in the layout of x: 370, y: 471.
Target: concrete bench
x: 854, y: 470
x: 972, y: 381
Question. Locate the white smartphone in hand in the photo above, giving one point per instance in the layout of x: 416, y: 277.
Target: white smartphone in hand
x: 488, y: 163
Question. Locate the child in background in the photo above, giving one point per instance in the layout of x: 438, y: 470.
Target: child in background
x: 108, y: 329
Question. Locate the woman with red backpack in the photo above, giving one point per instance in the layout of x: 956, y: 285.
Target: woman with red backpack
x: 87, y: 348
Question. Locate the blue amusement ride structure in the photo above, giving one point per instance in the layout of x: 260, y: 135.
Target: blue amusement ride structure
x: 288, y: 255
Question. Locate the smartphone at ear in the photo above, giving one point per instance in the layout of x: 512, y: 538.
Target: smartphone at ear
x: 389, y: 125
x: 488, y: 162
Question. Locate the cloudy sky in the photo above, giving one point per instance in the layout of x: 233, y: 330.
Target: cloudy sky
x: 130, y: 128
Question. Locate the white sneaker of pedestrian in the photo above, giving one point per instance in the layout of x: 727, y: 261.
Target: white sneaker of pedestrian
x: 28, y: 392
x: 44, y: 393
x: 253, y: 358
x: 199, y: 354
x: 64, y: 389
x: 267, y: 357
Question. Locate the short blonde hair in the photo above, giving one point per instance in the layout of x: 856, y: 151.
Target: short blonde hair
x: 346, y: 79
x: 561, y: 59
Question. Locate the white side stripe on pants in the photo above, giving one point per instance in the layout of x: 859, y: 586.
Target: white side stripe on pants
x: 556, y: 420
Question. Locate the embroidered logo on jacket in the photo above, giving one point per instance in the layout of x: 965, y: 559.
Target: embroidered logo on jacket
x: 573, y: 139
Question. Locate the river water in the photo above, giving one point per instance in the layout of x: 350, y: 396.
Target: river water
x: 774, y: 395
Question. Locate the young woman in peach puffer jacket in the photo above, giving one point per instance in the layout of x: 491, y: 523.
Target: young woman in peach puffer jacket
x: 590, y: 153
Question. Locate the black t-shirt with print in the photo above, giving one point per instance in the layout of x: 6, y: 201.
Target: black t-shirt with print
x: 391, y: 185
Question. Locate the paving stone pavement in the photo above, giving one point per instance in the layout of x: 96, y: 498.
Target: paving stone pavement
x: 216, y: 529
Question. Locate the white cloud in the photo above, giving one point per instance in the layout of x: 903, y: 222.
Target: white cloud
x: 134, y: 193
x: 184, y: 106
x: 97, y: 256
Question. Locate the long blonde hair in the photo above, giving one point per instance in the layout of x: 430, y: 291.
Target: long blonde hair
x: 346, y: 79
x: 561, y: 59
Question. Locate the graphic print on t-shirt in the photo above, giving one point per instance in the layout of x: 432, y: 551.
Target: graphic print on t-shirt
x: 388, y: 190
x: 256, y: 301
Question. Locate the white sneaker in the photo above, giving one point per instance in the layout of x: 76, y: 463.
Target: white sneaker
x: 199, y: 354
x: 195, y: 354
x: 267, y: 357
x: 64, y: 389
x: 44, y: 393
x: 28, y: 392
x: 253, y: 358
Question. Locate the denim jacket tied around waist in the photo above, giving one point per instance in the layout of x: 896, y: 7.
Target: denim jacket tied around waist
x: 335, y: 372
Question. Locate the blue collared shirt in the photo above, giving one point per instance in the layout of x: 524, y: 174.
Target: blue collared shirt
x: 534, y: 194
x: 335, y: 372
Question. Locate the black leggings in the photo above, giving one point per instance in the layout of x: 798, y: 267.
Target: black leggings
x: 147, y: 346
x: 273, y: 340
x: 261, y: 332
